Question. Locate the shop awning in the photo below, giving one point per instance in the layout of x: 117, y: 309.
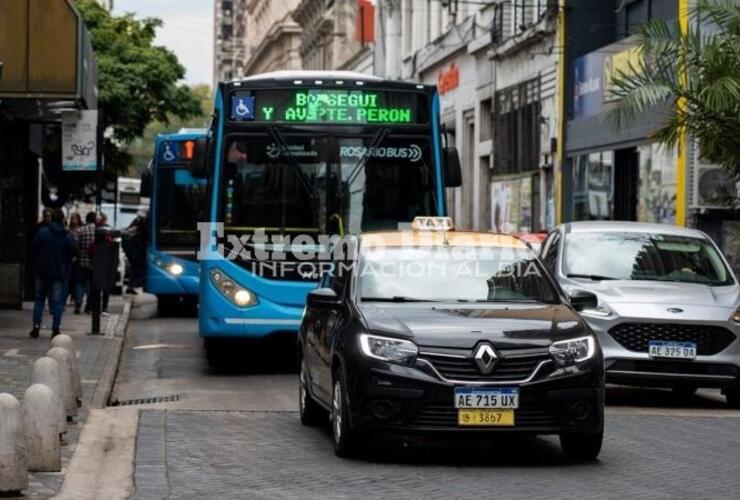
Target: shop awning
x: 47, y: 60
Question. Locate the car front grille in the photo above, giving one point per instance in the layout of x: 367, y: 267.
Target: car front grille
x: 636, y: 336
x: 445, y: 416
x: 510, y: 368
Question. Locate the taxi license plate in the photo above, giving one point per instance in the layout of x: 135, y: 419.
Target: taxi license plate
x: 485, y: 416
x: 481, y: 407
x: 674, y: 350
x: 499, y: 398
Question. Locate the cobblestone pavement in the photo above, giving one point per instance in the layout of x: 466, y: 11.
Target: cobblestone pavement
x: 18, y: 352
x: 657, y: 445
x: 211, y: 454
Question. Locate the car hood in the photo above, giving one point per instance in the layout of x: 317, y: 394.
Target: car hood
x: 463, y: 326
x: 661, y: 293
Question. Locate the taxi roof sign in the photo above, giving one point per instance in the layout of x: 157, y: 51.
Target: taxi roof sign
x: 432, y: 224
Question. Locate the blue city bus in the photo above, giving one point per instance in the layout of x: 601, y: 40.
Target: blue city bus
x: 294, y: 155
x: 177, y: 202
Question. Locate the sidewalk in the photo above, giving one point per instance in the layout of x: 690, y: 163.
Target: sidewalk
x: 97, y: 356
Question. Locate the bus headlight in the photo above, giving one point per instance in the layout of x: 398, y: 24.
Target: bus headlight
x: 235, y: 293
x: 175, y: 269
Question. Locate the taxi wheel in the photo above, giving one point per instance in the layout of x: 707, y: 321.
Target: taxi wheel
x: 312, y: 414
x: 343, y: 436
x: 581, y: 447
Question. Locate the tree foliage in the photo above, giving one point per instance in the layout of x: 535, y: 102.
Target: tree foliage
x: 697, y: 71
x: 138, y: 82
x: 142, y: 148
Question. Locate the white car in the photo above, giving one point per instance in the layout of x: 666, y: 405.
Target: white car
x: 668, y: 302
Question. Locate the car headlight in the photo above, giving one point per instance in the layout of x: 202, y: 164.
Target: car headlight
x: 388, y: 349
x: 175, y: 269
x: 600, y: 311
x: 736, y: 315
x: 568, y: 352
x: 235, y: 293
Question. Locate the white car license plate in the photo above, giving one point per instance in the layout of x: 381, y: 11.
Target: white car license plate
x: 471, y: 397
x: 676, y: 350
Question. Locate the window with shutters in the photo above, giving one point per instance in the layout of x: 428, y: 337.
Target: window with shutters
x: 516, y: 128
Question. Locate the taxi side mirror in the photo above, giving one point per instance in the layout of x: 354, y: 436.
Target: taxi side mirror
x: 323, y: 298
x: 453, y: 171
x: 199, y: 162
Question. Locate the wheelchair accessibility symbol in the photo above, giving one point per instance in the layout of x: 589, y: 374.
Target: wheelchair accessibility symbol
x: 168, y: 155
x: 242, y: 107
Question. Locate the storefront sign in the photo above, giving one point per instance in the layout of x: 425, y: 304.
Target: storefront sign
x: 593, y: 75
x: 588, y: 96
x: 449, y: 79
x: 79, y: 141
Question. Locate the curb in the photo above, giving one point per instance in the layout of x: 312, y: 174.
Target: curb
x: 107, y: 379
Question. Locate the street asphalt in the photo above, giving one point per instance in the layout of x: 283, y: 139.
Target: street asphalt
x: 236, y: 434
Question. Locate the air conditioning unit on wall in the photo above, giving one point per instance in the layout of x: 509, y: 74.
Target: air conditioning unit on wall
x: 714, y: 188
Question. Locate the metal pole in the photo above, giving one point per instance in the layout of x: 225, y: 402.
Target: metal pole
x: 94, y: 292
x: 99, y: 169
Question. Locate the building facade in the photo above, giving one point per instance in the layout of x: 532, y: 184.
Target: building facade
x: 229, y: 39
x: 36, y: 87
x: 525, y: 115
x: 337, y: 34
x: 495, y: 66
x: 274, y: 37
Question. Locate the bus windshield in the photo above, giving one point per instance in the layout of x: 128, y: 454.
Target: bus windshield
x: 322, y: 184
x: 180, y: 200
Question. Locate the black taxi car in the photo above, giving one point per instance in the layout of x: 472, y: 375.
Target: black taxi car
x: 433, y: 330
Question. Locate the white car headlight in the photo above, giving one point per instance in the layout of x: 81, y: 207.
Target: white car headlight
x: 388, y: 349
x: 568, y: 352
x: 235, y: 293
x: 736, y: 316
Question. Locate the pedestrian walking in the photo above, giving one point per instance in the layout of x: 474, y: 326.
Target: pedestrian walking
x: 134, y: 246
x: 102, y: 223
x: 74, y: 226
x: 51, y: 252
x: 83, y: 247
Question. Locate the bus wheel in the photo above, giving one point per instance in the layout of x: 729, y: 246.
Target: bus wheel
x: 214, y: 352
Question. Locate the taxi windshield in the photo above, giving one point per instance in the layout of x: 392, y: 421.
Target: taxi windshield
x: 454, y: 273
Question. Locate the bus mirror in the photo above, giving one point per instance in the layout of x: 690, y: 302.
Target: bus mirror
x: 453, y: 171
x: 198, y: 163
x: 146, y: 187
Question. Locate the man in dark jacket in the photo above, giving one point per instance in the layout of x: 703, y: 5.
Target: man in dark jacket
x: 51, y: 252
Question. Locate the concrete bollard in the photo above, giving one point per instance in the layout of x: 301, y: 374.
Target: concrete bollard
x: 46, y: 371
x: 65, y: 367
x: 65, y: 341
x: 41, y: 426
x: 13, y: 472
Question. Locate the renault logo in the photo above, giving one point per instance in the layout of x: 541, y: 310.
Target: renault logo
x: 485, y: 357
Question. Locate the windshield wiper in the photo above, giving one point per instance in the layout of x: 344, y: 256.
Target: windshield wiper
x: 395, y: 298
x: 592, y: 277
x: 379, y: 137
x: 277, y: 136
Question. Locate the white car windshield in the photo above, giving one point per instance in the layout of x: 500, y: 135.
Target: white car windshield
x: 644, y: 256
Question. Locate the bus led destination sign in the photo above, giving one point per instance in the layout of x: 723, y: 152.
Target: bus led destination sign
x: 330, y: 106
